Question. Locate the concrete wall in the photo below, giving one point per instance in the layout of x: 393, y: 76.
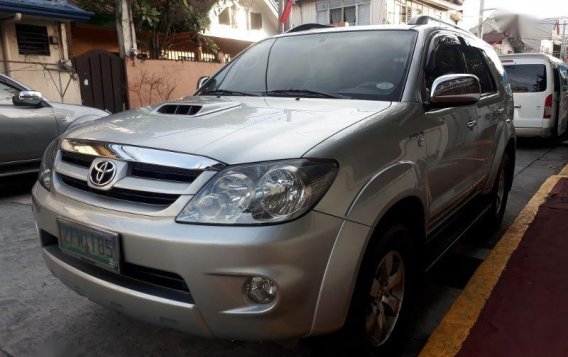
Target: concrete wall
x: 41, y: 73
x: 154, y: 81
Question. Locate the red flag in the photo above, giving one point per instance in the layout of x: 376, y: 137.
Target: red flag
x: 287, y: 10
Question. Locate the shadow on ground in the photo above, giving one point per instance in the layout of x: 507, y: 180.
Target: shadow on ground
x: 16, y: 185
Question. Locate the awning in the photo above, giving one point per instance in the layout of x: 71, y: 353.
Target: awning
x: 45, y: 8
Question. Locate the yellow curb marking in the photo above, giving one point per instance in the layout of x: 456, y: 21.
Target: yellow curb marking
x: 454, y: 328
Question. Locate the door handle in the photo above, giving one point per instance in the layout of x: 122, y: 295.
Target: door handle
x: 517, y: 107
x: 471, y: 124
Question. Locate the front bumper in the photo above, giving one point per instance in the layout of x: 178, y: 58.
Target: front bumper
x: 214, y: 262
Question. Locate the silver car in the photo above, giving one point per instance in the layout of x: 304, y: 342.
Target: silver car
x: 29, y: 122
x: 300, y: 192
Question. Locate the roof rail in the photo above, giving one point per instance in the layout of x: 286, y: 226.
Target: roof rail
x: 425, y: 19
x: 306, y: 27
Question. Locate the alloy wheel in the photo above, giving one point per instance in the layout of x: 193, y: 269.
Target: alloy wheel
x: 386, y: 295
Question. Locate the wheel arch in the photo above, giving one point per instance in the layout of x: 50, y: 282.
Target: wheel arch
x: 349, y: 252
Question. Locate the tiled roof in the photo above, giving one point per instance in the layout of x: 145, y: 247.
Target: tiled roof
x: 45, y: 8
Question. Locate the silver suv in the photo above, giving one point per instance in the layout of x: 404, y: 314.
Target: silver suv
x: 300, y: 192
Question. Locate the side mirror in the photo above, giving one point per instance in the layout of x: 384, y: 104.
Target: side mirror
x: 453, y: 90
x: 28, y: 98
x: 201, y: 81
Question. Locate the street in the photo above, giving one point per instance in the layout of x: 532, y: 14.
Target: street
x: 40, y: 316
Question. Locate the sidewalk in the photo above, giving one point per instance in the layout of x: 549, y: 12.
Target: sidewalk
x: 517, y: 301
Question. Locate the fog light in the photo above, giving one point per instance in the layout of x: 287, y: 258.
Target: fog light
x: 260, y: 290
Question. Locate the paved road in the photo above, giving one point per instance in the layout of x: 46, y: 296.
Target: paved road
x: 39, y: 316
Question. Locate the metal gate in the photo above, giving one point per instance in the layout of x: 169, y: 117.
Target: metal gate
x: 102, y: 80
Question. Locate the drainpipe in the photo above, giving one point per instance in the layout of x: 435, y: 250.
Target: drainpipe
x: 5, y: 41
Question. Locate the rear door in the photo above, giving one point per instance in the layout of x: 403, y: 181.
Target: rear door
x: 490, y: 109
x: 25, y: 131
x: 531, y: 83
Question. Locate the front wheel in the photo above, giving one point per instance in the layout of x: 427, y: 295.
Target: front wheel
x: 383, y: 297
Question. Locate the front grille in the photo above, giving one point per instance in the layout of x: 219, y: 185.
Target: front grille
x: 77, y: 159
x: 152, y: 198
x: 138, y: 169
x: 154, y: 276
x: 158, y: 172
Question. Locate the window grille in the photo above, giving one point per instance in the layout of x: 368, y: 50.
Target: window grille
x: 32, y: 40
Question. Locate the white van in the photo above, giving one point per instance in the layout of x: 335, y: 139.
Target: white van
x: 540, y: 91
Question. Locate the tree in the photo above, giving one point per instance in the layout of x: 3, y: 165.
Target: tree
x: 158, y: 21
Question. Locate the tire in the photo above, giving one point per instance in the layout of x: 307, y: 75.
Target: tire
x: 553, y: 139
x: 384, y: 293
x: 499, y: 195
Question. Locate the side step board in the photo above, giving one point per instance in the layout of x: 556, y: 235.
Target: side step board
x: 443, y: 238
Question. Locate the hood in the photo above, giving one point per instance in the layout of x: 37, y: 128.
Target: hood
x: 69, y: 115
x: 76, y: 111
x: 232, y: 129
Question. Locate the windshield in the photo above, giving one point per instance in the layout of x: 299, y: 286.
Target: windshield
x: 368, y: 65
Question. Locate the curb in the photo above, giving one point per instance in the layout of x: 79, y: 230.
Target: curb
x: 454, y: 328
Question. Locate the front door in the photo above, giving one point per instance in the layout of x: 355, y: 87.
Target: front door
x: 452, y: 157
x: 25, y: 131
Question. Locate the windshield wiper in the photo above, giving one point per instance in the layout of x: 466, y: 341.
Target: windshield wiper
x: 220, y: 92
x: 303, y: 92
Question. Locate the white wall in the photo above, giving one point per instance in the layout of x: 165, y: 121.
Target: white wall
x: 382, y: 11
x: 41, y: 73
x: 241, y: 31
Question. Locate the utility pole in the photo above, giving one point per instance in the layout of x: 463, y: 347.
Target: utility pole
x: 481, y: 10
x: 563, y: 45
x: 280, y: 11
x: 125, y: 28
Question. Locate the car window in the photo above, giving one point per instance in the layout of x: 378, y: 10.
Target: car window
x: 527, y: 78
x: 476, y: 65
x: 444, y: 59
x: 6, y: 94
x: 370, y: 65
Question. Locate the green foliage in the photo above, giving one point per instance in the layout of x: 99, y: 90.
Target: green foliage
x: 158, y: 21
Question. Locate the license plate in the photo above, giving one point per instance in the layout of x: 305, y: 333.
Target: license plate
x: 94, y: 245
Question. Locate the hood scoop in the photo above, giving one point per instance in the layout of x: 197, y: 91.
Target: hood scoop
x: 179, y: 109
x: 195, y: 109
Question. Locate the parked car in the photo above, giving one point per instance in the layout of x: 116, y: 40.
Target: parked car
x: 300, y: 192
x: 29, y: 122
x: 540, y: 91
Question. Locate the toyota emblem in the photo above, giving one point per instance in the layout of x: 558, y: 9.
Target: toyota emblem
x: 102, y: 173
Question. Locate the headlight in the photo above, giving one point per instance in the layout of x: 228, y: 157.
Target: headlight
x: 46, y: 167
x: 260, y: 193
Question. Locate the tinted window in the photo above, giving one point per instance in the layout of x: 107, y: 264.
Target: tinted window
x: 355, y: 64
x: 476, y: 65
x: 6, y: 94
x: 444, y: 59
x: 526, y: 78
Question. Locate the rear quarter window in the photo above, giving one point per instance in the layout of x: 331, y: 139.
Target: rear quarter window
x: 527, y: 78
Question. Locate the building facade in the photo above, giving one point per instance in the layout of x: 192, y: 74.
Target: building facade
x: 34, y: 46
x: 372, y: 12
